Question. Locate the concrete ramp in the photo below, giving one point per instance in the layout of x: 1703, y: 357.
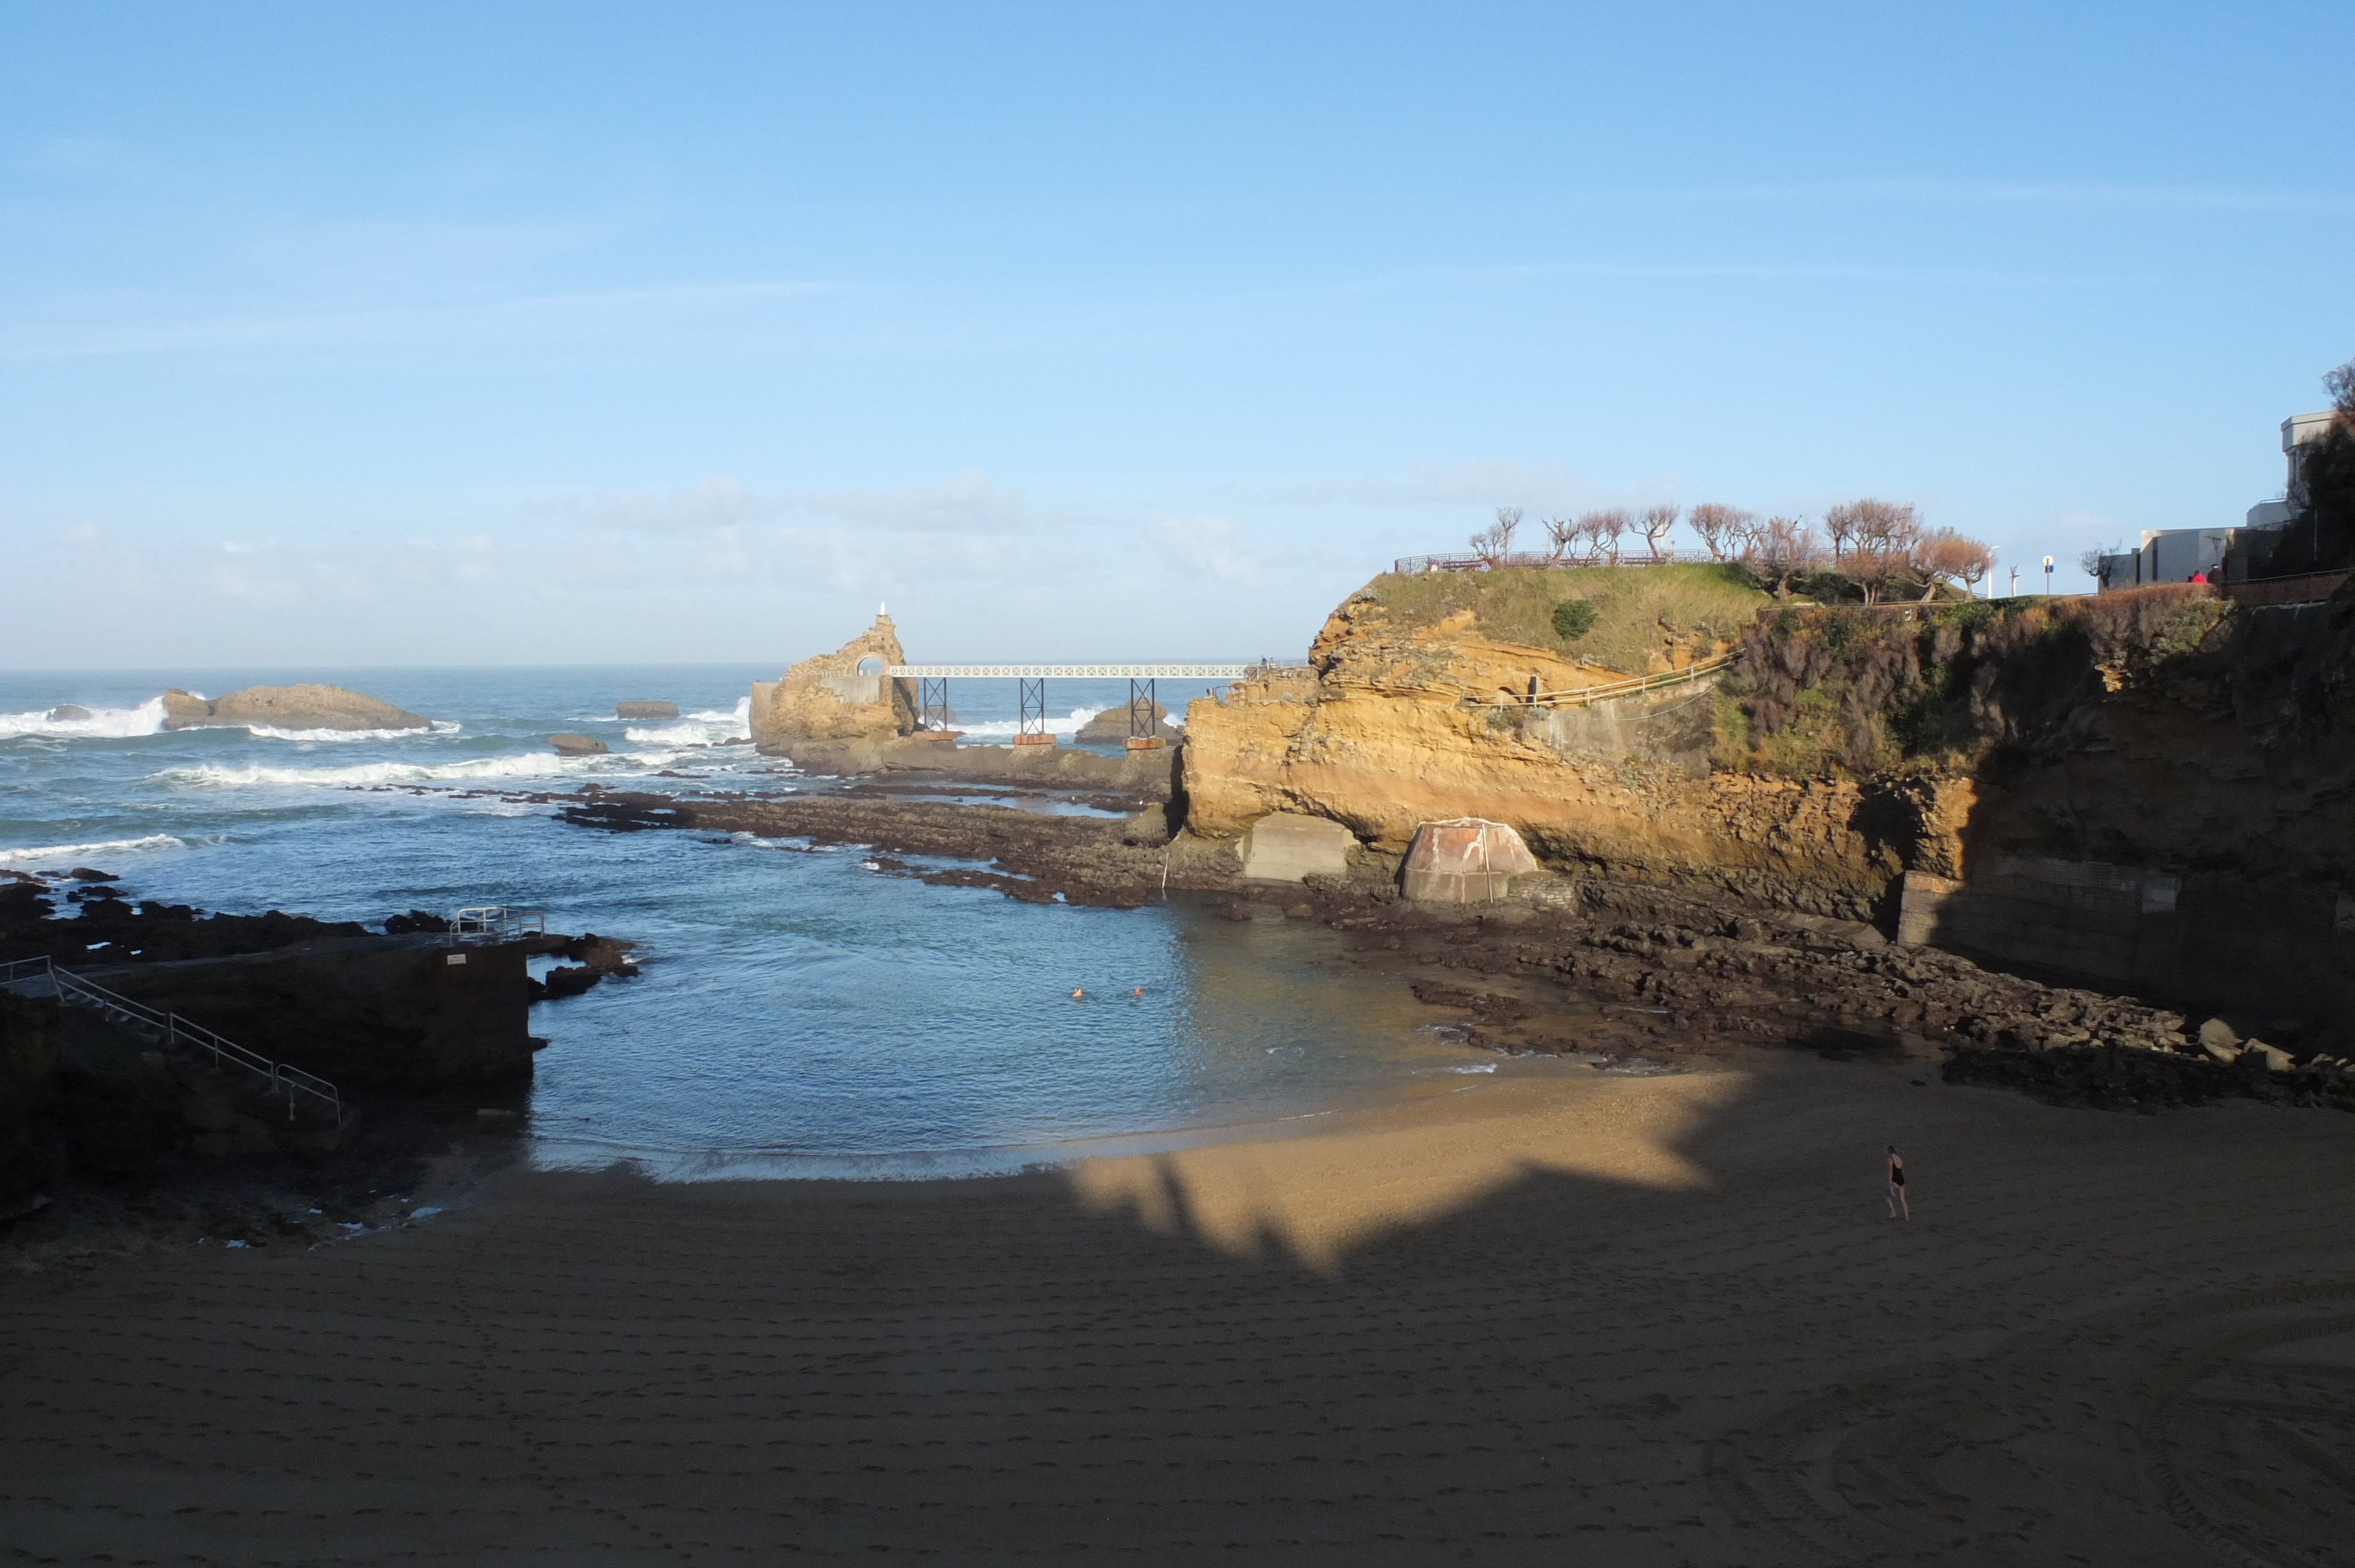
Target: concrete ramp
x: 1285, y: 846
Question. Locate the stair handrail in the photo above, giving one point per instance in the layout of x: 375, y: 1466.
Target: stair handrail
x: 284, y: 1077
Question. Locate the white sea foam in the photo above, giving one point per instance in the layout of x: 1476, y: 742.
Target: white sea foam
x: 532, y: 765
x: 104, y: 848
x: 148, y: 719
x: 708, y: 727
x: 1066, y: 726
x: 271, y: 732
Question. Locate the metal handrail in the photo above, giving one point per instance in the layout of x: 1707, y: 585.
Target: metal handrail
x: 1577, y: 697
x: 67, y: 986
x: 498, y: 922
x: 1544, y: 560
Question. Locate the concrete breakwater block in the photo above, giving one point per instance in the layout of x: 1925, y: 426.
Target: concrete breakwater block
x: 1469, y: 859
x: 645, y: 710
x: 1285, y: 846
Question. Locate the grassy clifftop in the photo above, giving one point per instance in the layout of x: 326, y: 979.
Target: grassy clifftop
x: 1636, y: 609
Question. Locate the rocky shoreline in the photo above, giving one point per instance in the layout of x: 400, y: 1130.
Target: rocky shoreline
x: 1638, y: 972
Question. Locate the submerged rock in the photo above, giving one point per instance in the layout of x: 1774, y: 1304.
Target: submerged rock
x: 67, y: 712
x: 646, y: 710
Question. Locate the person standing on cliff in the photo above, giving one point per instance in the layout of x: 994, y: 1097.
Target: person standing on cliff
x: 1896, y: 1194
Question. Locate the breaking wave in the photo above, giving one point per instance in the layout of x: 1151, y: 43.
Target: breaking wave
x: 112, y: 724
x: 271, y: 732
x: 1070, y: 725
x: 708, y: 727
x: 473, y: 770
x: 90, y: 851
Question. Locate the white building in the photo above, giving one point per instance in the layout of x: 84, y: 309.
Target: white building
x: 2176, y: 554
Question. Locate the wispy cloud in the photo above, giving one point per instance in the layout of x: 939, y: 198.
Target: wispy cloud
x: 1213, y: 546
x: 969, y: 504
x: 2019, y: 193
x: 1487, y: 483
x: 550, y: 315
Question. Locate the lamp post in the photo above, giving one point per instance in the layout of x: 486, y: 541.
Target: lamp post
x: 2048, y: 577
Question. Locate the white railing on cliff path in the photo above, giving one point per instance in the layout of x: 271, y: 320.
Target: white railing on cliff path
x: 1197, y: 671
x: 1567, y: 697
x: 35, y: 976
x: 1473, y: 561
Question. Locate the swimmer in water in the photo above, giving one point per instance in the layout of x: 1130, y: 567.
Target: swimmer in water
x: 1138, y: 992
x: 1077, y: 993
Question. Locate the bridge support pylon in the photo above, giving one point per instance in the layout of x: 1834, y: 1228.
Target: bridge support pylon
x: 1031, y: 727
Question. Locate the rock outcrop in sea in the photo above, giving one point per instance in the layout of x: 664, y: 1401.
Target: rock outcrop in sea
x: 304, y: 706
x: 839, y: 713
x: 1112, y: 727
x: 840, y: 707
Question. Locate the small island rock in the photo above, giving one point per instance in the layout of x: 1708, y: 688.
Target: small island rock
x: 645, y: 710
x: 288, y: 707
x: 68, y: 713
x: 579, y: 745
x: 1110, y: 727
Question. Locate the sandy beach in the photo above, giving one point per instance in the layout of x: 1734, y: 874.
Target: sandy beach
x: 1632, y: 1320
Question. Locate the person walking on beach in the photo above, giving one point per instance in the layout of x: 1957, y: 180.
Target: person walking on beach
x: 1896, y: 1194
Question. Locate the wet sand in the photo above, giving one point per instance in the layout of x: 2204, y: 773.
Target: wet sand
x: 1633, y: 1322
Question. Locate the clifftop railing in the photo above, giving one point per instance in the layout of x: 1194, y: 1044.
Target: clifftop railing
x: 1473, y: 561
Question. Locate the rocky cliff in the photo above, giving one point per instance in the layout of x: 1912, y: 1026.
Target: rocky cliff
x: 1410, y: 711
x: 2152, y: 789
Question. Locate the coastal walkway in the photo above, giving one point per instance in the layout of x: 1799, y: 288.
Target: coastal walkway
x: 933, y: 690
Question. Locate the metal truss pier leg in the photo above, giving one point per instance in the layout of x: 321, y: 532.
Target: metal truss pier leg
x: 1031, y: 727
x: 1144, y: 707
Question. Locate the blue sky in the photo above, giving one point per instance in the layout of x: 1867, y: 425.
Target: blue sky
x: 340, y: 335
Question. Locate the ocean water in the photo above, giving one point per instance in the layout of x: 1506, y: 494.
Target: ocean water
x: 798, y: 1013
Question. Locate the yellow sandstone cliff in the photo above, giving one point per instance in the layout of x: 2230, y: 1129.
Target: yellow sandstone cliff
x: 1396, y: 723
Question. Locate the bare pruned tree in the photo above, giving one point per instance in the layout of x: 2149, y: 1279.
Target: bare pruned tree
x: 1779, y: 549
x: 2100, y: 563
x: 1881, y: 535
x: 1721, y: 528
x: 1563, y: 534
x: 1495, y: 542
x: 1604, y: 529
x: 1943, y: 556
x: 1839, y: 526
x: 1656, y: 522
